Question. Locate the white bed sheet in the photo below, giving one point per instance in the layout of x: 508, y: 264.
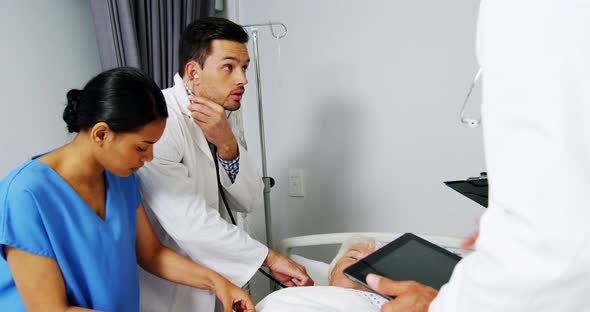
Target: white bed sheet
x: 319, y: 298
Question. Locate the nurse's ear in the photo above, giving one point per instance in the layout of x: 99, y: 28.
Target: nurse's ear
x: 101, y: 133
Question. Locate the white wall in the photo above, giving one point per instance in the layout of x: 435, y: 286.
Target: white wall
x: 365, y: 98
x: 48, y: 47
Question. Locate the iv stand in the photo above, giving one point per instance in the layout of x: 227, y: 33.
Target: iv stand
x: 268, y: 181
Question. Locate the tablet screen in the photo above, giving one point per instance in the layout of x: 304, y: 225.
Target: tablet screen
x: 414, y: 261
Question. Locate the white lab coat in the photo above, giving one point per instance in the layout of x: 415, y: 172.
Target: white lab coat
x: 533, y: 252
x: 180, y: 191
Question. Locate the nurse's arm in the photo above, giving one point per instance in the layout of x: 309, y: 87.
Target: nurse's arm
x: 39, y: 281
x: 161, y: 261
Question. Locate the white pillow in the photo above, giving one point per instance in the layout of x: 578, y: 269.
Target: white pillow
x: 317, y: 270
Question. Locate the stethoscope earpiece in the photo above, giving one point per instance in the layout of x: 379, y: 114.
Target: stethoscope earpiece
x: 472, y: 123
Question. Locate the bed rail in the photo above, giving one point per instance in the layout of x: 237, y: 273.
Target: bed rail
x: 451, y: 243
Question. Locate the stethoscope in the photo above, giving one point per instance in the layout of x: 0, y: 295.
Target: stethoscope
x: 470, y: 122
x: 220, y: 189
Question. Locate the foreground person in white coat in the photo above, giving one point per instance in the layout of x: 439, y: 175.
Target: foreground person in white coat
x: 533, y: 251
x: 180, y: 185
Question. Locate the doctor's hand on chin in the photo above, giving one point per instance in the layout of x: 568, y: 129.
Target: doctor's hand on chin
x: 211, y: 118
x: 287, y: 271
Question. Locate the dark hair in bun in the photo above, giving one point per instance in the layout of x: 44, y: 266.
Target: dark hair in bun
x: 71, y: 112
x: 125, y: 98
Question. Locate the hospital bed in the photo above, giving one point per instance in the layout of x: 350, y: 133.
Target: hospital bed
x: 318, y: 270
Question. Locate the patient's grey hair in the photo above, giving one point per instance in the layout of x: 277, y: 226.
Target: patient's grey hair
x: 351, y: 241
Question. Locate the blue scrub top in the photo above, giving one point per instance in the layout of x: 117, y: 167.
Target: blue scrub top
x: 41, y: 214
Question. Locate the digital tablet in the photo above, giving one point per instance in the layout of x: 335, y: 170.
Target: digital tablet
x: 408, y: 258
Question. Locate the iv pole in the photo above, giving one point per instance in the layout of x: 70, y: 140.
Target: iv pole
x: 268, y: 181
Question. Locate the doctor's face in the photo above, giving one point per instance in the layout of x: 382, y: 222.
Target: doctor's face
x: 124, y: 153
x: 223, y: 76
x: 352, y: 256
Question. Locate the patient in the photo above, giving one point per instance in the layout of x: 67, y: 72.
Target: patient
x: 342, y: 294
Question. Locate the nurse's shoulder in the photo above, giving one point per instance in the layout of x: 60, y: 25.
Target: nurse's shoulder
x: 32, y: 176
x: 21, y: 222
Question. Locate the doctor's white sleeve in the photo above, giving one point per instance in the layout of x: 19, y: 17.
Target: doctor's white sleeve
x: 533, y: 251
x: 185, y: 215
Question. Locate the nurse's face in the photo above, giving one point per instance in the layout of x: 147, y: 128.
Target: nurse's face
x: 124, y: 153
x: 352, y: 256
x: 223, y: 75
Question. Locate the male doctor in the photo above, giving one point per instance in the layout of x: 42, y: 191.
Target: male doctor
x: 533, y: 250
x: 180, y: 185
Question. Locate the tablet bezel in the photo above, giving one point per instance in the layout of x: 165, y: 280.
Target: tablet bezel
x: 356, y: 272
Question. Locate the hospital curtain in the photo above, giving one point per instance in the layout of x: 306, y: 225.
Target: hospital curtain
x: 145, y: 33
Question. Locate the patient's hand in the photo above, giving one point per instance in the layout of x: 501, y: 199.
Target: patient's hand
x: 287, y: 271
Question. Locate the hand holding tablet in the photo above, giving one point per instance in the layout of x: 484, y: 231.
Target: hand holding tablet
x: 408, y: 258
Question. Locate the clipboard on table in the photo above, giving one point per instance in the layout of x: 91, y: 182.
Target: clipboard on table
x: 475, y: 189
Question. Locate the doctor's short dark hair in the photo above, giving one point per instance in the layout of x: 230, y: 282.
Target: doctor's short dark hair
x: 125, y: 98
x: 195, y: 41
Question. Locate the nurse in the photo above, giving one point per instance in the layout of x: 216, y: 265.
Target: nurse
x: 72, y: 225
